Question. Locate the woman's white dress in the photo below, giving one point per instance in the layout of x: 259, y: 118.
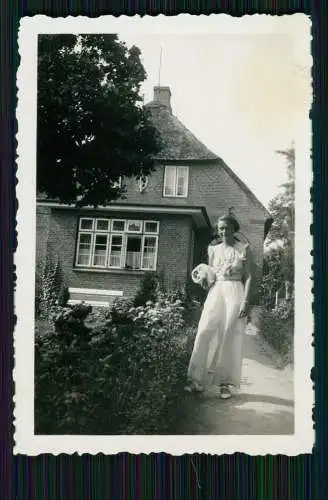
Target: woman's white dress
x: 218, y: 349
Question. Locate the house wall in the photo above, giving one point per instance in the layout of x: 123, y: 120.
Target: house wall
x: 59, y: 238
x: 212, y: 187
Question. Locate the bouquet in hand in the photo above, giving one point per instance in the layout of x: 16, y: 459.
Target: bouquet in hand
x: 204, y: 276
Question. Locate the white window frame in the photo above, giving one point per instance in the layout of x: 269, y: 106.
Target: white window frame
x: 122, y: 258
x: 149, y: 235
x: 103, y: 230
x: 116, y: 230
x: 143, y: 234
x: 175, y: 187
x: 99, y: 233
x: 186, y: 185
x: 83, y: 232
x: 138, y: 235
x: 86, y: 230
x: 152, y: 222
x: 133, y: 231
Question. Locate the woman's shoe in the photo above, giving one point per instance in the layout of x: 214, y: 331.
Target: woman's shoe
x: 225, y: 392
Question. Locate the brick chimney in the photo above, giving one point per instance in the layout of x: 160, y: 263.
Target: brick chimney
x: 162, y: 95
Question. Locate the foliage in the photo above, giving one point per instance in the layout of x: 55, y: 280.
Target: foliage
x: 148, y: 289
x: 63, y: 296
x: 123, y: 375
x: 277, y: 327
x: 162, y: 315
x: 92, y: 128
x: 278, y: 268
x: 48, y: 285
x: 282, y: 206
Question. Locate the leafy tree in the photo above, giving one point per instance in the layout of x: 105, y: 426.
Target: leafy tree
x: 282, y: 206
x: 278, y: 273
x: 278, y: 267
x: 92, y: 127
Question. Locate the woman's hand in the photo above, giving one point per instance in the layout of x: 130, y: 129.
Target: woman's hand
x: 243, y: 309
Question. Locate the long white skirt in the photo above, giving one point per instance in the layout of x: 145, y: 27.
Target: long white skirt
x: 218, y: 349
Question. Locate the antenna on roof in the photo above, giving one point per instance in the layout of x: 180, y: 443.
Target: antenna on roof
x: 160, y: 67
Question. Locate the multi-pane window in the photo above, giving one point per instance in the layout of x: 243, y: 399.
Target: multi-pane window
x: 176, y: 181
x: 117, y: 243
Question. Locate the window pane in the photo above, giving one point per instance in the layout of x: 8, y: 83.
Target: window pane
x: 169, y: 181
x: 86, y: 224
x: 149, y: 252
x: 116, y: 251
x: 133, y: 252
x: 134, y: 226
x: 99, y: 258
x: 182, y: 179
x: 151, y: 227
x: 102, y: 224
x: 84, y: 250
x: 180, y: 190
x: 118, y: 225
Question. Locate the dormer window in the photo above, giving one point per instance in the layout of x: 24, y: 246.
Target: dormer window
x: 176, y: 181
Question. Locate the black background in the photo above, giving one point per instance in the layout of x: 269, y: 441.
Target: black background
x: 158, y: 476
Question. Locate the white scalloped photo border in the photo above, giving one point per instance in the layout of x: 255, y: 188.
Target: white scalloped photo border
x: 25, y: 441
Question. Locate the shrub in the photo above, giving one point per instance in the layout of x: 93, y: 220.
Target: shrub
x: 48, y: 285
x: 63, y: 296
x: 277, y: 327
x: 148, y: 290
x: 118, y: 312
x: 162, y: 315
x: 123, y: 375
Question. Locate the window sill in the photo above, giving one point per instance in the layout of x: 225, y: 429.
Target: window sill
x: 136, y: 272
x: 175, y: 196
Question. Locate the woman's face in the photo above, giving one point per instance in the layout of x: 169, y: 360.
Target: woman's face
x: 226, y: 231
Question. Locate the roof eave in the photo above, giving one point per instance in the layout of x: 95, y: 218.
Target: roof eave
x: 198, y: 213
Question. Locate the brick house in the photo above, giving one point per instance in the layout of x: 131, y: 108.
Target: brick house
x: 163, y: 226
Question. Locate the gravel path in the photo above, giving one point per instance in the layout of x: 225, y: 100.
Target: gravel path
x: 264, y: 404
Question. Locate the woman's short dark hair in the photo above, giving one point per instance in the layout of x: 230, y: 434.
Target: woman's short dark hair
x: 231, y: 220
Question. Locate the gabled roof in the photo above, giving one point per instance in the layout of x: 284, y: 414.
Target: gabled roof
x: 179, y: 144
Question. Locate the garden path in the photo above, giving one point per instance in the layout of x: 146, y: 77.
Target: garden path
x: 264, y: 404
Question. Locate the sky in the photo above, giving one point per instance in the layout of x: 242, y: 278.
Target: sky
x: 242, y: 95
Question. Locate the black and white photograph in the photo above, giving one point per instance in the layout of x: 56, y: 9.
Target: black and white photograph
x: 163, y: 294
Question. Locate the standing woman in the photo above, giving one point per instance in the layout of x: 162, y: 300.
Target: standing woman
x: 218, y: 349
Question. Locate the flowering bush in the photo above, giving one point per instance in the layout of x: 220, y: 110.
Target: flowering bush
x: 123, y: 374
x: 162, y: 315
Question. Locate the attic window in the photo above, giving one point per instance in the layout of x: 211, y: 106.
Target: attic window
x: 176, y: 181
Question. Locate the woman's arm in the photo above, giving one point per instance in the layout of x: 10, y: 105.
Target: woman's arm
x: 248, y: 265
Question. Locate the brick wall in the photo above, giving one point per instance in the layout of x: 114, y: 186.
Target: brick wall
x: 174, y: 250
x: 172, y: 262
